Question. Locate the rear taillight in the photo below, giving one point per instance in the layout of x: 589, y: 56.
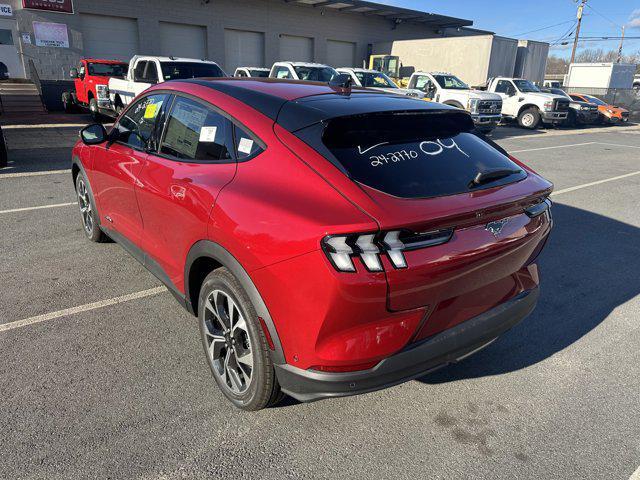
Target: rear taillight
x: 341, y: 249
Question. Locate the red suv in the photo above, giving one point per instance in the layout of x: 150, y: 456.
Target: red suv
x: 330, y: 241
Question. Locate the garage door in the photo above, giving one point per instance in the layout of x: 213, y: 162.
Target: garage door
x: 341, y: 54
x: 179, y: 40
x: 109, y: 37
x: 296, y: 49
x: 243, y: 49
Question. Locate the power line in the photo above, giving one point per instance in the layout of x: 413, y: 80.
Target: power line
x: 542, y: 28
x: 566, y: 34
x: 603, y: 16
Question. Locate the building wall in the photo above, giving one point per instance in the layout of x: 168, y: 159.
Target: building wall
x: 466, y: 57
x: 271, y: 17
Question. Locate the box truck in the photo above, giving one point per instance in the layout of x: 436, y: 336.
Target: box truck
x: 600, y: 75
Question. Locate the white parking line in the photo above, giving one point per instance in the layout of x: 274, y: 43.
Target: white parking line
x: 81, y: 308
x: 591, y: 184
x: 549, y: 148
x: 574, y: 145
x: 635, y: 475
x: 33, y: 174
x: 617, y: 145
x: 41, y: 207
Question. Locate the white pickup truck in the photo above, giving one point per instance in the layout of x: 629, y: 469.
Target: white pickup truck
x: 145, y: 71
x: 311, y: 72
x: 524, y: 102
x: 363, y: 77
x: 485, y: 108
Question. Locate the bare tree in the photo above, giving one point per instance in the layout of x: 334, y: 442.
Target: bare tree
x: 559, y: 65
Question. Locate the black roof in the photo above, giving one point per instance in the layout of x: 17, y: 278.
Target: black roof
x: 300, y: 112
x: 390, y: 12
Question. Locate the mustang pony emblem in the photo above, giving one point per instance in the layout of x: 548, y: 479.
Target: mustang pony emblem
x: 496, y: 227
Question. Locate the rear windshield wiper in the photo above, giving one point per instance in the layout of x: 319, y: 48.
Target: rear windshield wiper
x: 489, y: 176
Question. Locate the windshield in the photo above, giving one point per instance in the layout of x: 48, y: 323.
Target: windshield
x: 595, y: 100
x: 108, y: 69
x: 377, y: 79
x: 451, y: 82
x: 416, y: 155
x: 525, y: 86
x: 181, y: 70
x: 315, y: 74
x: 258, y: 73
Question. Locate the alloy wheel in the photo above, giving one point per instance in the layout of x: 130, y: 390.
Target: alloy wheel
x: 85, y: 207
x: 227, y: 341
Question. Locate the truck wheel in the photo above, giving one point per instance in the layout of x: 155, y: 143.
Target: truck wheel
x: 571, y: 121
x: 93, y: 108
x: 67, y: 102
x: 529, y: 118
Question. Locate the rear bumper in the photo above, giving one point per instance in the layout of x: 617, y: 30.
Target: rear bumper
x: 414, y: 361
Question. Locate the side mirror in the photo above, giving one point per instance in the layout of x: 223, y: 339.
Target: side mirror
x: 73, y: 73
x: 93, y: 134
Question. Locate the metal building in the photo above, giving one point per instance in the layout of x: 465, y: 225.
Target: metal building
x: 52, y: 35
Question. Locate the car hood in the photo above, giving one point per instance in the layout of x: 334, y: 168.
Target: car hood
x: 548, y: 96
x: 481, y: 95
x: 411, y: 92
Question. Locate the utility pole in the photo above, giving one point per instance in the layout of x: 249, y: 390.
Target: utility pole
x: 575, y: 40
x: 620, y: 48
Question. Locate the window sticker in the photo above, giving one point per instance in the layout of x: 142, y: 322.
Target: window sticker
x: 151, y: 111
x: 208, y: 134
x: 245, y: 146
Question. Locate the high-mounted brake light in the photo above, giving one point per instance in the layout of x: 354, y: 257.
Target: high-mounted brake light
x: 341, y: 249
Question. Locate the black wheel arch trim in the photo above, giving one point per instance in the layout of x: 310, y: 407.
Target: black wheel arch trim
x: 215, y: 251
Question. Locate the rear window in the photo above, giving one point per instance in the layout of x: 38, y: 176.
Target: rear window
x: 417, y: 154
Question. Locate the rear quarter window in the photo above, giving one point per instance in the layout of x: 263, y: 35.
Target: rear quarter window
x: 416, y: 155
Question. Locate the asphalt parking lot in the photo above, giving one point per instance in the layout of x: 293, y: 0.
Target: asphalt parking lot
x: 104, y: 377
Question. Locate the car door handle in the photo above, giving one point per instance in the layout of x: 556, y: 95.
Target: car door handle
x: 178, y: 192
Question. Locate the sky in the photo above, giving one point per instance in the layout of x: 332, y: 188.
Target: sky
x: 518, y: 19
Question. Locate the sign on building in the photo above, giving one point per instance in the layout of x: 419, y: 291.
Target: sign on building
x: 51, y: 34
x: 60, y: 6
x: 6, y: 10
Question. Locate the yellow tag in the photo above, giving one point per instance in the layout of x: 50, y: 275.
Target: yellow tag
x: 151, y: 111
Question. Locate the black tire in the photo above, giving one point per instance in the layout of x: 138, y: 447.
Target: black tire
x: 529, y: 118
x: 67, y: 102
x: 93, y: 109
x: 4, y: 155
x: 88, y: 219
x: 262, y: 388
x: 572, y: 121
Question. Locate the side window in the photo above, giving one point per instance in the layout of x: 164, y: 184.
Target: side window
x: 282, y: 72
x: 196, y: 132
x: 81, y: 70
x: 137, y: 125
x: 504, y: 86
x: 424, y: 84
x: 138, y: 72
x: 241, y: 73
x: 151, y: 73
x: 246, y: 146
